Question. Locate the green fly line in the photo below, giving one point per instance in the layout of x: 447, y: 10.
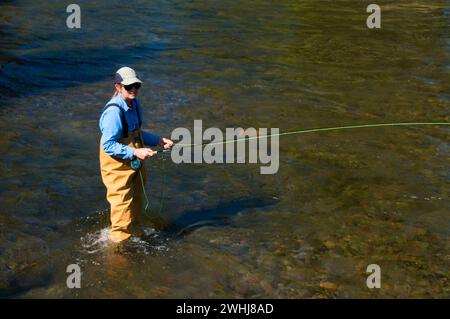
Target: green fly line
x: 323, y: 129
x: 147, y: 202
x: 143, y: 189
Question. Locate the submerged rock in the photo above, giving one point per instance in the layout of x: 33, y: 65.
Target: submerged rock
x: 23, y: 263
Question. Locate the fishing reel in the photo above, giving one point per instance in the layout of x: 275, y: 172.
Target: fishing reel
x: 136, y: 164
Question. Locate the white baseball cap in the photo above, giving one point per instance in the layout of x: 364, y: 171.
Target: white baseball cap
x: 126, y: 76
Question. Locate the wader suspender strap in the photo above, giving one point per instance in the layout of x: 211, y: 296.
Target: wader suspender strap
x: 139, y: 122
x: 122, y: 118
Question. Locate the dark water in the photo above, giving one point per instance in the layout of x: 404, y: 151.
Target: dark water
x: 340, y: 201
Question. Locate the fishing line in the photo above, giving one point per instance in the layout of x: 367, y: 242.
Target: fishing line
x: 147, y: 202
x: 323, y: 129
x: 143, y: 190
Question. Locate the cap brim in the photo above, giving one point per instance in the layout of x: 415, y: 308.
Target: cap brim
x: 131, y: 81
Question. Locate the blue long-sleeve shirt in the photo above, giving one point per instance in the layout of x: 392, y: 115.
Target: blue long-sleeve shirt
x: 111, y: 128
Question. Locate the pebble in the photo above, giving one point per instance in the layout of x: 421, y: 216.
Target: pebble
x: 328, y: 285
x: 329, y: 244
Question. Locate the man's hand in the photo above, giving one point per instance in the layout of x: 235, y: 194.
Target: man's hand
x: 143, y: 153
x: 165, y: 143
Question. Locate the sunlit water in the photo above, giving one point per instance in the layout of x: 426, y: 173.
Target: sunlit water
x: 340, y: 201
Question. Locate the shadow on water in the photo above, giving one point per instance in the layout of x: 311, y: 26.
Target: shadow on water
x: 158, y: 230
x: 218, y: 215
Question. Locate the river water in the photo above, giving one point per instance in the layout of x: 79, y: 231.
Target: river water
x: 340, y: 201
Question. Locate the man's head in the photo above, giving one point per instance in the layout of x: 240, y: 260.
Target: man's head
x: 127, y: 83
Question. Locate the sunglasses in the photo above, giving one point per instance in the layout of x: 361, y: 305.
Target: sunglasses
x: 129, y: 87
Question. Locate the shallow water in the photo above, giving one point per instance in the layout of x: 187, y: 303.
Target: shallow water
x: 339, y: 202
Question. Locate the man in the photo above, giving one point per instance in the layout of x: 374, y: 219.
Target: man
x: 122, y: 151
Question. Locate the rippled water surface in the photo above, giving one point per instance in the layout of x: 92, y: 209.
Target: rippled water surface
x: 340, y: 201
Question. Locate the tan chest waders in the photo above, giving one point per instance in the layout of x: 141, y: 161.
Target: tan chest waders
x: 123, y: 185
